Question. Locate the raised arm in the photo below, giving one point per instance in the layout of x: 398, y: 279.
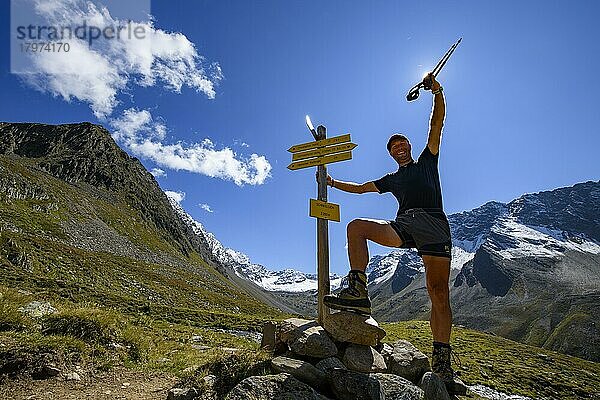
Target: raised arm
x: 438, y: 114
x: 352, y: 187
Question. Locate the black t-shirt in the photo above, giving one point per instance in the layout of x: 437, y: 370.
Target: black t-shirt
x: 415, y: 185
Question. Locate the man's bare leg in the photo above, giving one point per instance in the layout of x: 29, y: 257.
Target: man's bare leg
x: 355, y: 296
x: 437, y: 273
x: 361, y: 230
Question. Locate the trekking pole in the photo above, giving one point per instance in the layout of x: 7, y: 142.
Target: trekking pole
x: 413, y: 93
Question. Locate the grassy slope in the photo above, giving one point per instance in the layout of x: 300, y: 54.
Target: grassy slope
x: 101, y: 338
x: 112, y: 309
x: 35, y: 254
x: 509, y: 366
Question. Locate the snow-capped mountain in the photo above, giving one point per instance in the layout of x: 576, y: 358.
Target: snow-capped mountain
x: 546, y: 225
x: 286, y: 280
x: 382, y: 268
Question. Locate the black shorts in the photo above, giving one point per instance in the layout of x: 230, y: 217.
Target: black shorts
x: 425, y: 229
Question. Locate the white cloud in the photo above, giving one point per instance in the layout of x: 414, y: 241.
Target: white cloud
x: 157, y: 172
x: 134, y: 123
x: 177, y: 196
x: 90, y: 78
x: 97, y: 74
x: 206, y: 207
x: 137, y: 130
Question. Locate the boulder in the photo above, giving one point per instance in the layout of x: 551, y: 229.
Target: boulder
x: 268, y: 337
x: 182, y: 394
x: 269, y: 387
x: 360, y: 358
x: 73, y: 376
x: 396, y: 387
x: 351, y: 385
x: 354, y: 328
x: 290, y: 329
x: 406, y: 360
x: 300, y: 370
x: 434, y: 387
x: 385, y: 349
x: 37, y: 309
x: 330, y: 363
x: 307, y: 338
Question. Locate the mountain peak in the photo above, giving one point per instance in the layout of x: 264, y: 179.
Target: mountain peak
x: 572, y: 209
x: 78, y: 152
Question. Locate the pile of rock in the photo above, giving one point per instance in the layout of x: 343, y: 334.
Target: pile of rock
x: 343, y: 360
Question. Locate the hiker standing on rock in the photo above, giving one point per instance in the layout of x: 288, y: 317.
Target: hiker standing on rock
x: 420, y: 223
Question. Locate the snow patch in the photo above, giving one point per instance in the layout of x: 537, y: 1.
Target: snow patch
x: 460, y: 257
x: 492, y: 394
x: 470, y: 246
x: 302, y: 283
x: 514, y: 240
x: 382, y: 267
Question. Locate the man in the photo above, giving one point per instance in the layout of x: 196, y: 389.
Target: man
x: 420, y: 223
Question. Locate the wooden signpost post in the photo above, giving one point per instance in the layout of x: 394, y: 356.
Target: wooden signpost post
x: 319, y: 153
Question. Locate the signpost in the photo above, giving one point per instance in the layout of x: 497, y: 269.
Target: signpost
x: 319, y: 153
x: 322, y: 209
x: 320, y: 160
x: 323, y: 151
x: 319, y: 143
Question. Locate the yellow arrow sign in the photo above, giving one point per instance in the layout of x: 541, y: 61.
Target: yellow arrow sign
x: 321, y: 160
x: 324, y: 151
x: 320, y: 143
x: 324, y: 210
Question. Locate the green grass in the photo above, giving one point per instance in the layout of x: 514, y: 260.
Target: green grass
x: 113, y: 310
x: 81, y: 275
x: 508, y: 366
x: 126, y: 221
x: 35, y: 254
x: 11, y: 319
x: 105, y: 338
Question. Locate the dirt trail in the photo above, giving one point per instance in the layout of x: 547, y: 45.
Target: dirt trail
x: 119, y: 384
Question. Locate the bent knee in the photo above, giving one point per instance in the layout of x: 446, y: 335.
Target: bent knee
x: 357, y: 227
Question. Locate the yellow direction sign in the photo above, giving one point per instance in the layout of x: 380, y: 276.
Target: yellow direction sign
x: 324, y: 151
x: 324, y: 210
x: 347, y: 155
x: 319, y: 143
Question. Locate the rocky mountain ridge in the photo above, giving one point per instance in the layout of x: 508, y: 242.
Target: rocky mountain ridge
x: 286, y: 280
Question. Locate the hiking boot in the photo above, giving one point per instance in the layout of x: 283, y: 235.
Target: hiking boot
x: 354, y: 297
x: 441, y: 367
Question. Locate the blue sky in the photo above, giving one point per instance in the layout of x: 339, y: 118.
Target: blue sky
x: 521, y: 97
